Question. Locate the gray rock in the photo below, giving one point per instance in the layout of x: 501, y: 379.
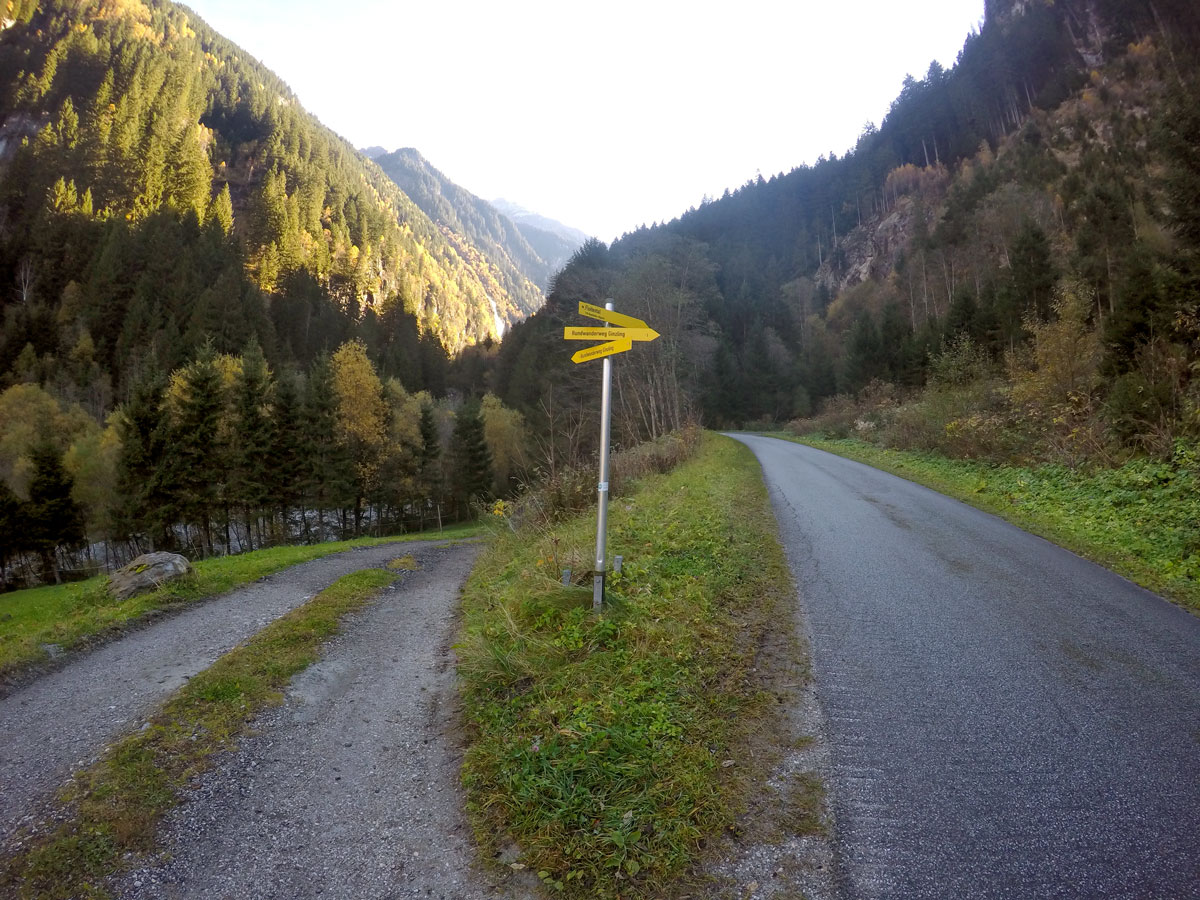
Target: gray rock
x: 146, y: 573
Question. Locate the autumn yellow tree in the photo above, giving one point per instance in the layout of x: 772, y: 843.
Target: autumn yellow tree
x: 362, y: 418
x: 401, y: 462
x: 508, y: 440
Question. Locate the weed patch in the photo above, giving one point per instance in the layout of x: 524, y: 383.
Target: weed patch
x: 113, y: 808
x: 608, y: 747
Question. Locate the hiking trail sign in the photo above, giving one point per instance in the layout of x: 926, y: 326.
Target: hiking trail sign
x: 618, y: 335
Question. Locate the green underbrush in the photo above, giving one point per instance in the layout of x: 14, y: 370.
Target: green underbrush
x: 605, y: 748
x: 1141, y: 519
x: 68, y: 616
x: 113, y: 808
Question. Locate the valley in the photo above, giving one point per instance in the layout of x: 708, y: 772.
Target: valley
x: 227, y: 332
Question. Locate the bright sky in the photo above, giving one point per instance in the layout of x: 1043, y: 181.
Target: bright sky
x: 603, y: 116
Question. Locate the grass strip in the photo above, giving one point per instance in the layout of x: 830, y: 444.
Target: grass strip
x: 608, y: 747
x: 71, y: 615
x: 1142, y: 519
x: 114, y: 806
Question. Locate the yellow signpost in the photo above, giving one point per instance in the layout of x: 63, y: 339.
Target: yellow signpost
x: 601, y: 350
x: 588, y: 333
x: 607, y: 315
x: 618, y: 336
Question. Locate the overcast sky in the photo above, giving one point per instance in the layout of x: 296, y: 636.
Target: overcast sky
x: 604, y: 116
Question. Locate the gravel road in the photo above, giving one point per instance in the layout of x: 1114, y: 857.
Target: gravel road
x: 62, y: 721
x: 1006, y: 719
x: 350, y: 789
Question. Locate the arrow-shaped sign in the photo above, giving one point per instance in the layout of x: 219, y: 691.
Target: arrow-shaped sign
x: 607, y: 315
x: 587, y: 333
x: 589, y: 353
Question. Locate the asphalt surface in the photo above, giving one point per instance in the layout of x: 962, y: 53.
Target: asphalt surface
x: 1005, y: 719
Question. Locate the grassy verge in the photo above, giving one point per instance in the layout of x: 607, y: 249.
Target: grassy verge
x: 71, y: 615
x: 606, y: 748
x: 115, y: 805
x: 1141, y: 520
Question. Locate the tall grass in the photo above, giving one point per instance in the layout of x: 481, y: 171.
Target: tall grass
x: 598, y: 742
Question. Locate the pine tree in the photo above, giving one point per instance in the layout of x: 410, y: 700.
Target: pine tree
x: 470, y: 459
x: 12, y: 532
x: 327, y: 479
x: 142, y: 429
x: 196, y: 460
x: 52, y: 518
x: 220, y: 212
x: 251, y: 438
x: 430, y: 472
x: 286, y: 456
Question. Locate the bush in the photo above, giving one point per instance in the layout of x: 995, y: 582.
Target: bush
x: 574, y: 489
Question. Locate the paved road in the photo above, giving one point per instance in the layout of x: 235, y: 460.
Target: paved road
x: 1006, y: 719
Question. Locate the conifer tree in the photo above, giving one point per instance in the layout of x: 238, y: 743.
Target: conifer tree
x: 470, y: 459
x: 52, y: 518
x: 430, y: 470
x: 143, y: 434
x: 251, y: 438
x: 12, y: 538
x: 327, y: 479
x: 286, y: 455
x: 196, y: 460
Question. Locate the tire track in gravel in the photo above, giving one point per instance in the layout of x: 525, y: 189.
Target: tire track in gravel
x: 64, y: 720
x: 350, y: 789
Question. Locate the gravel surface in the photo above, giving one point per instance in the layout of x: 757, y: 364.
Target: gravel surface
x: 1006, y: 719
x: 62, y: 721
x: 350, y: 789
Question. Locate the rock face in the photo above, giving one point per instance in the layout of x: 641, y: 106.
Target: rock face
x: 146, y: 573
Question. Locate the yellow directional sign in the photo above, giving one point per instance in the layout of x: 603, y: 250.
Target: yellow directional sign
x: 619, y: 339
x: 600, y: 350
x: 607, y: 315
x: 588, y: 333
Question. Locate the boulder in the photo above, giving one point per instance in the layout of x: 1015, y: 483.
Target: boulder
x: 146, y: 573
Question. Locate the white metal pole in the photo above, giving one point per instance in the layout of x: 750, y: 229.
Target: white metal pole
x: 602, y: 514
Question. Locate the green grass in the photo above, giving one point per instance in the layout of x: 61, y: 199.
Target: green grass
x: 1141, y: 520
x: 70, y: 615
x: 598, y: 743
x: 114, y: 807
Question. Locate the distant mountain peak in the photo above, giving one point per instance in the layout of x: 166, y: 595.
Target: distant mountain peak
x: 528, y: 219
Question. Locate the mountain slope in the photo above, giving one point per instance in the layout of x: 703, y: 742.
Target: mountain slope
x: 554, y: 241
x: 161, y: 188
x: 466, y: 219
x: 1054, y: 166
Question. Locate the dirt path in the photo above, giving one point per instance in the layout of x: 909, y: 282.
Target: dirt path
x: 350, y: 788
x: 62, y: 721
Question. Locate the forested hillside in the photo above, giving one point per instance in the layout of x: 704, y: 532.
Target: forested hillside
x: 160, y: 187
x: 221, y: 325
x: 1015, y: 246
x: 470, y: 222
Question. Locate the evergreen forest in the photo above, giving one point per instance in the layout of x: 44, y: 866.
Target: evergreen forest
x: 1005, y: 268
